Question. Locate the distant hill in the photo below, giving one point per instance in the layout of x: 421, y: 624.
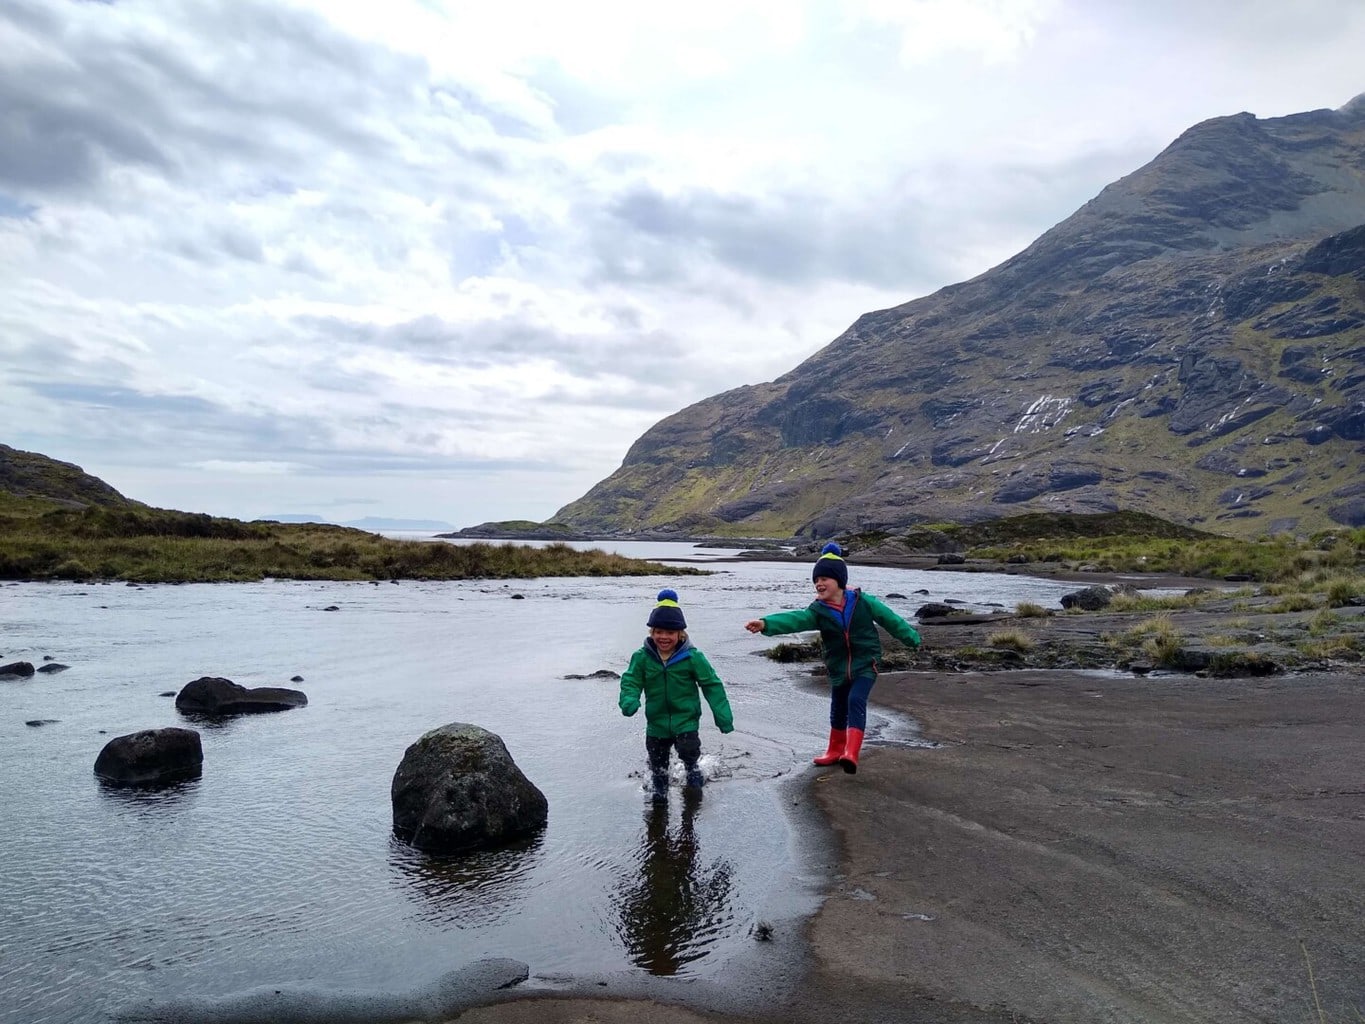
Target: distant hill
x: 28, y: 476
x: 1189, y: 344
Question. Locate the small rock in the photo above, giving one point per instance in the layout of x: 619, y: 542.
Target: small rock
x: 38, y: 722
x: 53, y: 667
x: 296, y: 679
x: 17, y: 669
x: 331, y: 608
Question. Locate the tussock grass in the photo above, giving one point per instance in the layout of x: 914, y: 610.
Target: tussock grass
x: 1295, y: 602
x: 1011, y: 640
x: 1153, y: 603
x: 1031, y: 610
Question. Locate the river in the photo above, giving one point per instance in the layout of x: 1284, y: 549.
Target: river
x: 278, y: 866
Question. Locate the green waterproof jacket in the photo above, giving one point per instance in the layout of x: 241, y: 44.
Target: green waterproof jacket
x: 849, y: 637
x: 670, y: 690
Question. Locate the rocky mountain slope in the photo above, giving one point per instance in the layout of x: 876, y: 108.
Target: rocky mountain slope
x: 1190, y: 344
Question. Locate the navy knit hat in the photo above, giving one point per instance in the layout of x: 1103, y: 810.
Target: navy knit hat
x: 667, y: 614
x: 831, y: 563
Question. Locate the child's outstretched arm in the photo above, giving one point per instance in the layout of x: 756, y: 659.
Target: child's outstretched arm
x: 714, y: 692
x: 892, y: 623
x: 632, y: 683
x: 798, y: 621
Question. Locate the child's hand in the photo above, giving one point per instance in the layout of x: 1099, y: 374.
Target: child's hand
x: 754, y: 625
x: 630, y: 709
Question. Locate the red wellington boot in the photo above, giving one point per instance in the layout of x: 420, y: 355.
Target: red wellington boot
x: 852, y: 744
x: 836, y: 748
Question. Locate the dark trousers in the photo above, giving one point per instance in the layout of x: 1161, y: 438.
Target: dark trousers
x: 658, y: 747
x: 848, y: 703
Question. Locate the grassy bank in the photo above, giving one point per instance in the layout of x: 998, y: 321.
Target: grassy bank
x: 1131, y: 542
x: 147, y: 545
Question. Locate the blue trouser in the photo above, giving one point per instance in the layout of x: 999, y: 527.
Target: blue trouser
x: 848, y: 703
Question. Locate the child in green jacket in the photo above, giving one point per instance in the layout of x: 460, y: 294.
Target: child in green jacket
x: 670, y: 672
x: 847, y: 620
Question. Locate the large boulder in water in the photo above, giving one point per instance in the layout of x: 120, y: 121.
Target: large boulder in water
x: 213, y: 695
x: 457, y: 788
x: 151, y: 757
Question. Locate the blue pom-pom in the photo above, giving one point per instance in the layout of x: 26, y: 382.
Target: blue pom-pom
x: 668, y: 595
x: 832, y: 549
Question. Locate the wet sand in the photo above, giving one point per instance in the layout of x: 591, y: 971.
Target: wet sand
x: 1078, y: 848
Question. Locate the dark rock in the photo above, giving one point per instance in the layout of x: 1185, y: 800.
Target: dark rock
x: 151, y: 757
x: 39, y: 722
x: 457, y: 788
x: 893, y: 596
x: 601, y: 673
x: 934, y: 610
x: 296, y: 679
x: 17, y: 669
x: 166, y: 693
x: 331, y: 608
x: 213, y: 695
x: 1091, y: 599
x: 53, y: 667
x: 952, y: 558
x: 518, y: 597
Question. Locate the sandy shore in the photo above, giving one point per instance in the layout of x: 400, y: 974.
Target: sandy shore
x: 1078, y: 849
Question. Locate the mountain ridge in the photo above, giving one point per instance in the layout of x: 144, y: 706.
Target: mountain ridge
x: 1187, y: 344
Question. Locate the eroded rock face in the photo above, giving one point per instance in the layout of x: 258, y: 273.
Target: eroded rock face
x: 213, y: 695
x: 457, y: 788
x: 151, y: 757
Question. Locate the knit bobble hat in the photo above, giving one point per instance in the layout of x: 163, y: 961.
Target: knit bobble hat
x: 667, y: 614
x: 831, y: 563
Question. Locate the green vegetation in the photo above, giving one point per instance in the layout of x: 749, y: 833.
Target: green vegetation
x: 140, y: 544
x: 1134, y: 542
x: 1031, y: 610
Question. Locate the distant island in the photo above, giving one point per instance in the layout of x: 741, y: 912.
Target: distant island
x: 371, y: 523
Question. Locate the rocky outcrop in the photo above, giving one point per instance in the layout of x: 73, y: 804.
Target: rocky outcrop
x: 213, y: 695
x: 150, y: 758
x: 16, y: 670
x: 1209, y: 301
x: 457, y: 788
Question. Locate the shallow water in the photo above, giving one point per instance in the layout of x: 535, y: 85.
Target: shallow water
x: 278, y: 865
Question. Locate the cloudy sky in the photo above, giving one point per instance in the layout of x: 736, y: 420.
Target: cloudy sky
x: 447, y: 260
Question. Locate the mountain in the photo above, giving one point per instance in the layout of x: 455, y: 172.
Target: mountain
x: 1188, y: 344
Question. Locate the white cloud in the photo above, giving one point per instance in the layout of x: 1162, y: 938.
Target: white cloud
x: 450, y: 260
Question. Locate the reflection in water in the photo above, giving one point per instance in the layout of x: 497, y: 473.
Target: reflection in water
x: 467, y: 890
x: 150, y: 798
x: 674, y: 904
